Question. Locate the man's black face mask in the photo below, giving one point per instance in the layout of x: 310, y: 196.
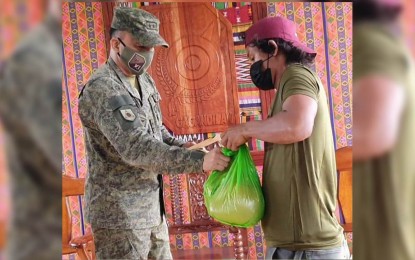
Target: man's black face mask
x: 261, y: 79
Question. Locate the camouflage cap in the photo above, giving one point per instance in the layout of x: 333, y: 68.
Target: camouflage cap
x: 143, y: 25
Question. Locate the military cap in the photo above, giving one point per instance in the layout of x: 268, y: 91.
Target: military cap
x: 143, y: 25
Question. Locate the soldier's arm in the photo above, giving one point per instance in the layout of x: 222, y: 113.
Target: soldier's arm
x: 169, y: 139
x: 125, y: 126
x: 30, y: 106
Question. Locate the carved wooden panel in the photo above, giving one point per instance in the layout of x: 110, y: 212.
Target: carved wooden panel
x: 199, y: 218
x: 196, y: 76
x: 197, y: 203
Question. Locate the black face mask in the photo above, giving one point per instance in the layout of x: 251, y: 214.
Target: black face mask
x: 261, y: 79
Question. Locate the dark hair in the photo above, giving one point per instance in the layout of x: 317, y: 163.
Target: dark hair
x: 367, y: 10
x: 292, y: 53
x: 114, y: 33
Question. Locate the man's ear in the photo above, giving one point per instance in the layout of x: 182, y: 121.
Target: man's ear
x: 115, y: 44
x: 273, y: 44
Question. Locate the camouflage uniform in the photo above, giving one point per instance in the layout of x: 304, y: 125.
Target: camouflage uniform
x: 30, y: 110
x: 128, y: 149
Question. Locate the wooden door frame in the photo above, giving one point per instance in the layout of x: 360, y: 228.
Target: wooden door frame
x: 259, y: 11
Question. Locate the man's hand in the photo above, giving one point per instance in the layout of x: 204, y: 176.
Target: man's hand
x: 215, y: 160
x: 234, y: 137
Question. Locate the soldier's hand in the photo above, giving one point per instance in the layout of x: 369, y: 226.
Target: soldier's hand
x: 215, y: 160
x: 188, y: 144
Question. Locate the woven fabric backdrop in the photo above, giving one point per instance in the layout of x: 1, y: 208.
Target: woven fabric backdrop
x: 324, y: 27
x: 17, y: 17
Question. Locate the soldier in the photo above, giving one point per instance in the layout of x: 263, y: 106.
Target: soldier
x: 30, y: 111
x: 128, y: 147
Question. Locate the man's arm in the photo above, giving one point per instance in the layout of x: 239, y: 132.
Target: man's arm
x: 293, y: 124
x: 377, y: 108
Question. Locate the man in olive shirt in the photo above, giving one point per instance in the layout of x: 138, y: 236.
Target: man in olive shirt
x: 299, y: 178
x: 383, y: 135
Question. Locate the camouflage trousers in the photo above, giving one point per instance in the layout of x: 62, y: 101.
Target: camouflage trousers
x: 152, y: 243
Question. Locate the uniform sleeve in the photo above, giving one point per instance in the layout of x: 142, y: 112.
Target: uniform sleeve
x: 124, y: 124
x: 299, y: 81
x: 30, y: 107
x: 169, y: 139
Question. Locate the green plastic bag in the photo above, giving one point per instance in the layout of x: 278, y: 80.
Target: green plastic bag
x: 234, y: 196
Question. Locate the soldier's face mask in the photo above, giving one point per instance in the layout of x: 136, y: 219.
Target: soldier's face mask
x: 261, y: 79
x: 137, y: 61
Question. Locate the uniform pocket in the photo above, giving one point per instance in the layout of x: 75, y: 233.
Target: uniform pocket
x: 120, y: 249
x: 154, y: 101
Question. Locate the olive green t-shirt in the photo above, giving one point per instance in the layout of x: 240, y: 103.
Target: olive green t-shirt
x: 384, y: 187
x: 300, y: 179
